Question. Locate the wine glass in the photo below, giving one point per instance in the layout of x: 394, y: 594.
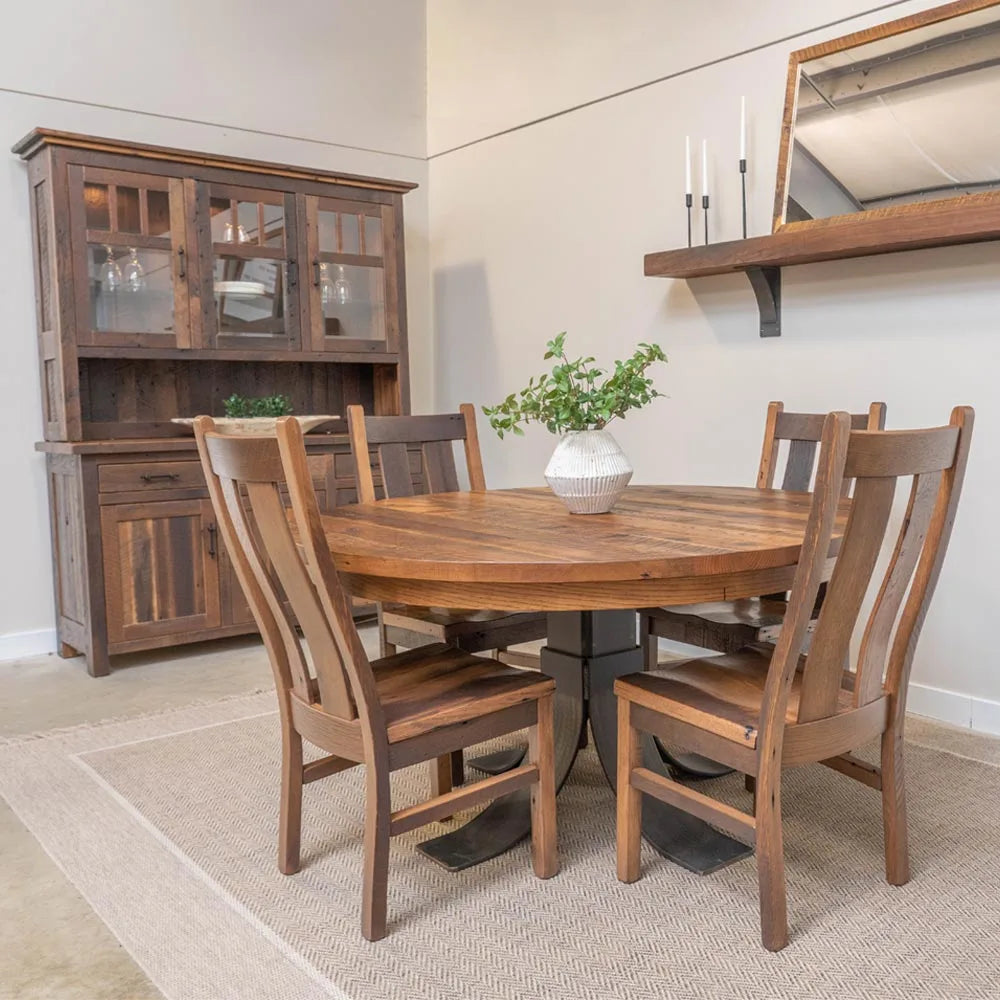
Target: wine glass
x: 326, y: 289
x: 240, y: 234
x: 111, y: 273
x: 341, y: 287
x: 135, y: 273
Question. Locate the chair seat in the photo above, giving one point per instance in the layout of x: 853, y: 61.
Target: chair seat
x: 720, y: 694
x: 448, y: 624
x: 431, y: 687
x: 753, y: 612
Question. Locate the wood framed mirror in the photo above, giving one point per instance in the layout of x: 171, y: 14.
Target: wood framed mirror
x: 889, y: 121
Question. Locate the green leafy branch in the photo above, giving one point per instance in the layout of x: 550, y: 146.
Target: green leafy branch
x: 257, y: 406
x: 575, y: 395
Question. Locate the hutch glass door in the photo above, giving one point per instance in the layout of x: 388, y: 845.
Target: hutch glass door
x: 128, y: 233
x: 348, y: 290
x: 253, y: 302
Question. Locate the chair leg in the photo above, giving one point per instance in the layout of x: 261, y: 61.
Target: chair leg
x: 770, y: 858
x: 290, y: 817
x: 385, y: 648
x: 440, y: 769
x: 541, y: 751
x: 376, y: 864
x: 629, y: 798
x: 648, y: 643
x: 897, y: 859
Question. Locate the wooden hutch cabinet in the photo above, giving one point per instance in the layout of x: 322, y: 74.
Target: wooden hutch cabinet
x: 167, y: 280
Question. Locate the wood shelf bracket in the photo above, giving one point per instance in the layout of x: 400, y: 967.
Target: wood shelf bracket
x: 766, y: 285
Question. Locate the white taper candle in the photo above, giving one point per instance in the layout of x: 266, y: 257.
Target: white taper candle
x: 704, y: 167
x: 687, y: 164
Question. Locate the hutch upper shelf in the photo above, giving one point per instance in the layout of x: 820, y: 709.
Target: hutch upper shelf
x: 180, y: 259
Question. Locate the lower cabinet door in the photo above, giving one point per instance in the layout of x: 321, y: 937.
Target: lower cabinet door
x: 161, y: 568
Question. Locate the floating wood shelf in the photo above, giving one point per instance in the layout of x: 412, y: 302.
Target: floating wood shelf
x: 970, y: 219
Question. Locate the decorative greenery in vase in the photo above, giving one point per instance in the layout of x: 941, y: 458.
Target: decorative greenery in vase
x: 576, y: 396
x: 257, y: 406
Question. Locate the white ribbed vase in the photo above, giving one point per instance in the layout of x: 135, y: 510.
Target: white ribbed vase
x: 588, y: 471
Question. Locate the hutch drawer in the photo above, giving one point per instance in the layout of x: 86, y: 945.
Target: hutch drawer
x: 151, y: 476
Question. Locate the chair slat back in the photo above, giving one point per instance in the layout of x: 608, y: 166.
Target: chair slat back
x: 435, y: 434
x: 245, y: 476
x: 803, y: 432
x: 323, y: 573
x: 933, y: 460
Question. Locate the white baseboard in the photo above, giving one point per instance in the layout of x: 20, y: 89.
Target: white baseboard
x: 980, y: 714
x: 14, y: 645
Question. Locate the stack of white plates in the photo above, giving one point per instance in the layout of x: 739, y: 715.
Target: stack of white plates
x: 240, y: 288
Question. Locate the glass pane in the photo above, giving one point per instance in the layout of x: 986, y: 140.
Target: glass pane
x: 349, y: 230
x: 373, y: 235
x: 274, y: 226
x: 131, y: 291
x: 219, y: 219
x: 128, y: 210
x: 353, y: 301
x: 95, y: 199
x: 250, y: 215
x: 327, y: 225
x: 249, y: 297
x: 158, y: 212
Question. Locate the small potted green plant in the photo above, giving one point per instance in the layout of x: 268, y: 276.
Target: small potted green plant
x: 248, y: 407
x: 588, y: 470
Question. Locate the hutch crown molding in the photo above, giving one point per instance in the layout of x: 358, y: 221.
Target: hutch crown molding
x: 167, y: 280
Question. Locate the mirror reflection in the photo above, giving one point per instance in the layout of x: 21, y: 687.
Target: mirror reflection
x: 910, y: 118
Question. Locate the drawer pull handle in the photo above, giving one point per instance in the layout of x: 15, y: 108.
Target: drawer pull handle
x: 181, y: 263
x: 211, y: 540
x: 147, y: 477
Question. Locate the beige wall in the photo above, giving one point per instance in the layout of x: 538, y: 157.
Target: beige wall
x: 544, y: 229
x: 339, y: 86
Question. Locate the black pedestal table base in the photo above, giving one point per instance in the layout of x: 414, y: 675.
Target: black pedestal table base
x: 586, y: 651
x: 499, y: 761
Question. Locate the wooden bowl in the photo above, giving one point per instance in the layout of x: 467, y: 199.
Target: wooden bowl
x: 259, y: 425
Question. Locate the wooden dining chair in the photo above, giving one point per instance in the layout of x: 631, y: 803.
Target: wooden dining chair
x: 409, y: 625
x: 728, y: 626
x: 387, y: 714
x: 763, y: 709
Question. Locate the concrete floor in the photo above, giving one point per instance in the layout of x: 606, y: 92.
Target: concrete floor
x: 54, y: 946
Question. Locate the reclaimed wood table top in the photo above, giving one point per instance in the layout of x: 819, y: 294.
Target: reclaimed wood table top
x: 522, y: 550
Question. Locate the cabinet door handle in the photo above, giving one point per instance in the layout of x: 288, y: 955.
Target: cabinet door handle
x: 293, y: 272
x: 211, y: 540
x: 316, y: 273
x: 147, y: 477
x: 181, y: 263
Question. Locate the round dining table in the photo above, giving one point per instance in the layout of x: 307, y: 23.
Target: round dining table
x: 521, y: 550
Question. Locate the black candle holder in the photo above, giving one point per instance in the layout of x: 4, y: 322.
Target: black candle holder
x: 704, y: 205
x: 743, y: 186
x: 689, y: 201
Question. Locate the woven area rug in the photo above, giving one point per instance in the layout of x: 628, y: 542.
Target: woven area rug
x: 167, y: 825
